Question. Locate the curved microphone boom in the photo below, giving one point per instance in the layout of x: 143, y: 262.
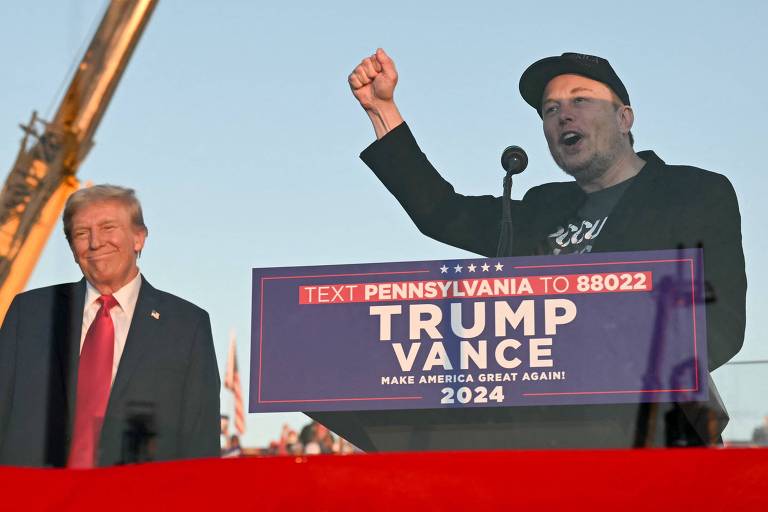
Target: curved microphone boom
x: 514, y: 160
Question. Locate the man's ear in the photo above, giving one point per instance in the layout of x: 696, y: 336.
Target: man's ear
x: 139, y: 237
x: 626, y: 118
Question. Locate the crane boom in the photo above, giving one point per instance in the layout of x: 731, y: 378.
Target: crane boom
x: 43, y: 175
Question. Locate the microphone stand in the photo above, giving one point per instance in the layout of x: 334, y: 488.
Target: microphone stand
x: 513, y: 161
x: 505, y: 236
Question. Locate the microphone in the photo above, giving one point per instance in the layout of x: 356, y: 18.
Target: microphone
x: 514, y: 160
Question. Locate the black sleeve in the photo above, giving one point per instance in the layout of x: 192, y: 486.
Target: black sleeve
x: 468, y: 222
x: 7, y: 367
x: 724, y: 275
x: 201, y: 412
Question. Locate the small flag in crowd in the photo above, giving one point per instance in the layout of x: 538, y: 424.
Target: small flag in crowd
x: 232, y: 383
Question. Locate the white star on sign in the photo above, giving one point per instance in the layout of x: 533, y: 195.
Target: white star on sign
x: 457, y: 268
x: 485, y: 267
x: 498, y: 267
x: 471, y: 267
x: 443, y: 269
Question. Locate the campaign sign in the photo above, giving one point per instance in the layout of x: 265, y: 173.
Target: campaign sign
x: 579, y: 329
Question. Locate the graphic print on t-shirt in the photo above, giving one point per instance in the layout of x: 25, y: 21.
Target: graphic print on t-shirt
x: 576, y: 237
x: 577, y: 234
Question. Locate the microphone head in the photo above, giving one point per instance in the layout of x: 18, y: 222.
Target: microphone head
x: 514, y: 160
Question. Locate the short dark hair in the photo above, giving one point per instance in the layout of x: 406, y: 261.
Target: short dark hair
x: 98, y: 193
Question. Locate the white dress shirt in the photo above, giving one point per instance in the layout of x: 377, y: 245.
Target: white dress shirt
x: 122, y: 314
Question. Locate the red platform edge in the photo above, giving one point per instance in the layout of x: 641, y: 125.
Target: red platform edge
x: 714, y: 479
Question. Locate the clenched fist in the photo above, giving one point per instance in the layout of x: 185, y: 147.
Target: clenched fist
x: 373, y: 84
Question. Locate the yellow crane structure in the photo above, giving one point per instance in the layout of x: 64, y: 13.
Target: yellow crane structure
x: 43, y: 175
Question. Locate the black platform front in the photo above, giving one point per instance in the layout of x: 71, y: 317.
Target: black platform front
x: 560, y: 427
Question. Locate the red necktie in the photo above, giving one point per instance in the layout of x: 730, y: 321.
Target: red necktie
x: 94, y: 378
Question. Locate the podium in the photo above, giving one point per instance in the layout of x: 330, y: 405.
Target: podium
x: 540, y: 427
x: 604, y: 350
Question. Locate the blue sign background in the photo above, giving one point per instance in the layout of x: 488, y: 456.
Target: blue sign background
x: 621, y: 347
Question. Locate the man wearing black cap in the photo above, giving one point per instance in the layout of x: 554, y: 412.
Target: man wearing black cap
x: 620, y: 200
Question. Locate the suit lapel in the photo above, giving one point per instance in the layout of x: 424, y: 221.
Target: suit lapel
x: 72, y: 299
x: 141, y: 337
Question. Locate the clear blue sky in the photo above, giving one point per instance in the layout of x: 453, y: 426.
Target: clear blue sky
x: 235, y: 124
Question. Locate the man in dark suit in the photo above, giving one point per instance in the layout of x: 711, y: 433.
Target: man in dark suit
x: 619, y: 200
x: 109, y: 369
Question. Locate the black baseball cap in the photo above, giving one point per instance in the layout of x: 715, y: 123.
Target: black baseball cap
x: 537, y: 76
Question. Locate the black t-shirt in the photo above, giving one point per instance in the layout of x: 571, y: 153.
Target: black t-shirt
x: 577, y: 234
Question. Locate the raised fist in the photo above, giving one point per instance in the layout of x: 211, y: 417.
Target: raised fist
x: 373, y: 81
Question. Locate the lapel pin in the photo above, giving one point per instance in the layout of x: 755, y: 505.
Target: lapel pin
x: 154, y: 314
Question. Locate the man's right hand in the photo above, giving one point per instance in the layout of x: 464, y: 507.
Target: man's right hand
x: 373, y: 81
x: 373, y: 84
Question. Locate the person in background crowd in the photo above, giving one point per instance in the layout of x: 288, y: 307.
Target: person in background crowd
x: 234, y: 450
x: 224, y: 433
x: 760, y: 434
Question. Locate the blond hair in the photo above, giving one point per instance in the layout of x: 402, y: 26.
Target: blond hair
x: 99, y: 193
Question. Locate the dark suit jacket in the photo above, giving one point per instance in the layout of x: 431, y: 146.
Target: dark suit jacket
x: 665, y: 207
x: 168, y: 368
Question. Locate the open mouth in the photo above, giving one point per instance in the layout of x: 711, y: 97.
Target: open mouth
x: 570, y: 138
